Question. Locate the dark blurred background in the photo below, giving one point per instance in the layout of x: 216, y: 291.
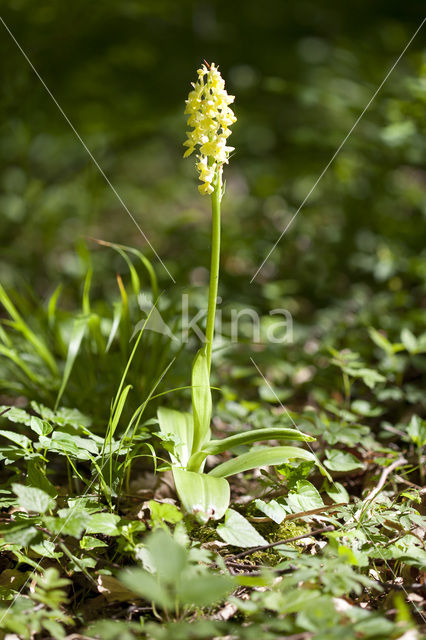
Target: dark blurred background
x: 301, y: 71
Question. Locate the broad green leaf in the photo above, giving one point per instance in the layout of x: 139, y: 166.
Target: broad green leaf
x: 146, y: 586
x: 238, y: 531
x: 201, y: 494
x: 90, y: 542
x: 256, y: 435
x: 164, y: 512
x: 178, y: 424
x: 204, y: 590
x: 340, y: 461
x: 33, y: 499
x: 71, y: 522
x: 63, y: 416
x: 105, y: 523
x: 263, y: 458
x: 272, y: 509
x: 38, y: 479
x: 13, y: 414
x: 40, y: 427
x: 20, y: 534
x: 66, y: 443
x: 292, y: 601
x: 336, y: 492
x: 417, y: 431
x: 17, y: 438
x: 46, y: 549
x: 201, y: 401
x: 166, y: 556
x: 304, y: 497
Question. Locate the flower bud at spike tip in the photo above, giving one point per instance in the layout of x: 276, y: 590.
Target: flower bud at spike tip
x: 210, y: 117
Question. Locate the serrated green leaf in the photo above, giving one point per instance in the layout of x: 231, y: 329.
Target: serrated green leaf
x: 17, y: 438
x: 40, y: 427
x: 340, y: 461
x: 21, y: 534
x: 164, y: 512
x: 33, y: 499
x: 70, y: 522
x: 105, y: 523
x: 304, y: 497
x: 13, y: 414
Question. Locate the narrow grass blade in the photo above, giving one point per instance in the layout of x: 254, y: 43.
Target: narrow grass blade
x: 15, y: 358
x: 122, y: 249
x: 77, y: 335
x: 51, y: 307
x: 21, y: 326
x: 118, y: 312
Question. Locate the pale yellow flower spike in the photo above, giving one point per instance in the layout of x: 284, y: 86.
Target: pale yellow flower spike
x: 210, y: 117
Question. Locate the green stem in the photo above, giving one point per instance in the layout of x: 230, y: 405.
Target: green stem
x: 214, y: 266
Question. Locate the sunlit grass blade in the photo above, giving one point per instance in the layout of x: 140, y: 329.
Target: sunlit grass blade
x: 77, y: 335
x: 116, y: 415
x: 117, y: 316
x: 17, y: 360
x: 51, y: 307
x: 86, y: 291
x: 21, y: 326
x: 122, y: 249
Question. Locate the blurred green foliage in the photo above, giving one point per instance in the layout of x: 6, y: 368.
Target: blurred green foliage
x: 302, y: 73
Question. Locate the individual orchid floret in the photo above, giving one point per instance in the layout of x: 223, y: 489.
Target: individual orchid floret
x: 210, y: 117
